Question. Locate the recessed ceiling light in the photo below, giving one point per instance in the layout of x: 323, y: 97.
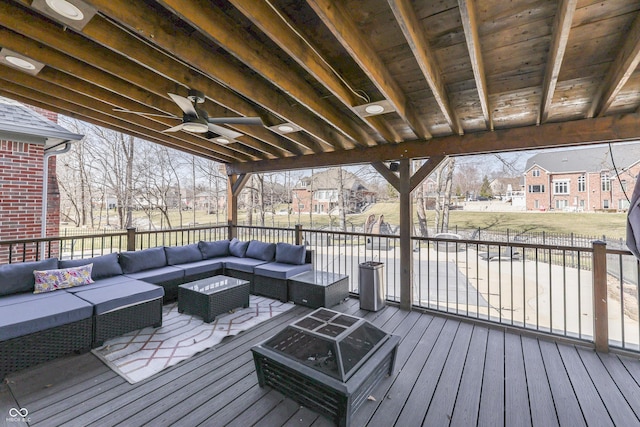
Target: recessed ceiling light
x: 19, y: 62
x: 374, y: 109
x: 285, y: 128
x: 66, y: 9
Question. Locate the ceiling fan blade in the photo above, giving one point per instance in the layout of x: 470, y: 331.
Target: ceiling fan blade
x: 224, y: 131
x: 184, y: 104
x: 236, y: 120
x: 122, y: 110
x: 175, y: 128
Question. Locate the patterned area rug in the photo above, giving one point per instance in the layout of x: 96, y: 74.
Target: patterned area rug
x: 140, y: 354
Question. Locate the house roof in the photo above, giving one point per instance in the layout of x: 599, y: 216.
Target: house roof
x: 330, y: 178
x: 452, y: 77
x: 593, y: 159
x: 22, y: 124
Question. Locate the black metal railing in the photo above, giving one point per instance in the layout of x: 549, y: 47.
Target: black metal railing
x: 550, y: 289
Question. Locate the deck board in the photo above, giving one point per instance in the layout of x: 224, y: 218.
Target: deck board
x: 564, y: 397
x: 447, y: 372
x: 617, y: 406
x: 491, y: 412
x: 543, y: 410
x: 467, y: 401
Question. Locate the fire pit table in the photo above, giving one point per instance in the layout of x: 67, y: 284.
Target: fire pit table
x: 327, y: 361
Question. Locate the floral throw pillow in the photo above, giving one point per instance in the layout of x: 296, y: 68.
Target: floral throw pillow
x: 52, y: 280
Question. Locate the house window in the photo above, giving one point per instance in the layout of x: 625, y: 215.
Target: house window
x: 536, y: 189
x: 535, y: 172
x: 605, y: 204
x: 561, y: 187
x: 536, y: 204
x: 623, y: 204
x: 605, y: 182
x: 582, y: 183
x: 623, y: 185
x: 561, y: 204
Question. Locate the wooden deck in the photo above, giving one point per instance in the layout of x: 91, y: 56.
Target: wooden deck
x: 447, y: 372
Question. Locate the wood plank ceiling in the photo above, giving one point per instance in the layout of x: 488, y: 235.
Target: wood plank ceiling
x: 452, y: 76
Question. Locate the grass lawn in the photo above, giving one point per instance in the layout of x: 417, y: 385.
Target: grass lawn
x: 612, y: 225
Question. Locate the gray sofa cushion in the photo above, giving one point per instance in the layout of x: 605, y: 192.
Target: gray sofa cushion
x: 279, y: 270
x: 107, y: 281
x: 120, y: 295
x: 40, y: 312
x: 182, y: 254
x: 103, y: 266
x: 214, y: 249
x: 261, y: 250
x: 243, y: 264
x: 201, y: 267
x: 146, y: 259
x: 238, y: 248
x: 290, y: 254
x: 158, y: 275
x: 18, y: 277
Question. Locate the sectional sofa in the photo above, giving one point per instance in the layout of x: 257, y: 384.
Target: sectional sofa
x: 55, y: 307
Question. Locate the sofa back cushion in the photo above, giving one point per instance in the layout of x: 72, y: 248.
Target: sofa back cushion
x: 52, y: 280
x: 290, y: 254
x: 238, y: 248
x: 18, y: 277
x: 214, y: 249
x: 177, y: 255
x: 103, y: 266
x: 261, y: 250
x: 146, y: 259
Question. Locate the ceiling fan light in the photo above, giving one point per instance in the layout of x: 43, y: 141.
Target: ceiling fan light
x: 65, y: 9
x: 223, y: 140
x: 19, y: 62
x: 195, y: 127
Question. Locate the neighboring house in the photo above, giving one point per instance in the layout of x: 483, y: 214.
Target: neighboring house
x: 29, y: 196
x: 319, y: 192
x: 504, y: 188
x: 583, y: 179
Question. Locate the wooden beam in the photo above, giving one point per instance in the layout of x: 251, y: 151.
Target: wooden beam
x: 236, y: 183
x: 560, y: 37
x: 406, y: 246
x: 625, y: 127
x: 620, y: 71
x: 424, y: 171
x: 337, y: 19
x: 101, y: 31
x: 145, y: 22
x: 276, y: 25
x: 470, y: 25
x: 415, y: 36
x: 387, y: 174
x: 217, y: 26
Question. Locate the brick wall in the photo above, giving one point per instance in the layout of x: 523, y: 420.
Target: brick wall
x: 21, y: 184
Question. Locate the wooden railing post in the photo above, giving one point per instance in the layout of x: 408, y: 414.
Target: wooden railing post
x: 298, y: 235
x: 600, y: 312
x: 131, y: 239
x: 231, y: 232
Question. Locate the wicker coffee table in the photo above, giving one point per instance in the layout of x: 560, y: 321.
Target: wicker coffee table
x: 318, y: 288
x: 213, y: 296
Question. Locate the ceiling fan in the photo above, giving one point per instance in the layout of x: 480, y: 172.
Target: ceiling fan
x: 197, y: 120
